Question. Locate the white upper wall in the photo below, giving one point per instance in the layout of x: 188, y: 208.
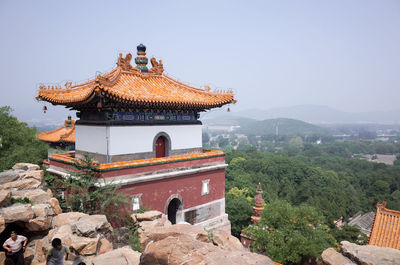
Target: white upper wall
x: 91, y: 139
x: 135, y: 139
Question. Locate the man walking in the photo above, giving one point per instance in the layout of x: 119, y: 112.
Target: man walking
x: 15, y: 247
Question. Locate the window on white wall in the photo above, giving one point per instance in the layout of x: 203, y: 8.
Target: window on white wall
x: 205, y: 187
x: 136, y: 202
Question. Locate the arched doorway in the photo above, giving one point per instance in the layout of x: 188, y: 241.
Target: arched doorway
x: 160, y: 146
x: 173, y: 208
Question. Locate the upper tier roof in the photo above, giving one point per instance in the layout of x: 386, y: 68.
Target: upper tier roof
x: 65, y: 133
x: 132, y: 86
x: 386, y: 228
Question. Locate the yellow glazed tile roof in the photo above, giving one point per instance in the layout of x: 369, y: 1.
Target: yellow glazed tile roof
x: 128, y: 85
x: 66, y: 133
x: 385, y: 230
x: 69, y: 158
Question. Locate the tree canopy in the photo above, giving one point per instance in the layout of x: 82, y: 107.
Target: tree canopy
x: 289, y: 234
x: 18, y: 142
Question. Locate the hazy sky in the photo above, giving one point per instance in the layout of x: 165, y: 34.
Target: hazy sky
x: 343, y: 54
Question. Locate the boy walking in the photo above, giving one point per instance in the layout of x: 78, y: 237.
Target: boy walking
x: 56, y: 253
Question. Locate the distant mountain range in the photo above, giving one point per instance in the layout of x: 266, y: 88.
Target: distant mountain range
x: 281, y: 126
x: 314, y: 114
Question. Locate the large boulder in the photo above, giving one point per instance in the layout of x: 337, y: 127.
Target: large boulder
x: 42, y: 210
x: 84, y: 245
x: 55, y: 205
x: 67, y: 218
x: 370, y: 255
x: 18, y: 212
x: 331, y: 257
x: 25, y: 166
x: 91, y: 225
x: 120, y: 256
x: 39, y: 224
x: 5, y: 197
x: 147, y: 216
x: 24, y: 184
x: 34, y: 174
x: 225, y: 240
x: 105, y: 246
x: 63, y: 232
x: 158, y: 233
x: 8, y: 176
x: 37, y: 195
x: 184, y: 249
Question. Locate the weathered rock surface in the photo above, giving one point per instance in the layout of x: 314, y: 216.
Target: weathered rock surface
x: 2, y: 225
x: 225, y: 240
x: 55, y: 205
x: 8, y: 176
x: 68, y: 218
x: 18, y: 212
x: 159, y: 233
x: 25, y: 166
x: 22, y: 184
x: 37, y: 195
x: 42, y: 210
x: 120, y: 256
x: 34, y: 174
x: 147, y: 216
x: 5, y: 197
x: 184, y: 249
x: 105, y: 246
x: 90, y: 226
x: 370, y: 255
x: 331, y: 257
x: 39, y: 224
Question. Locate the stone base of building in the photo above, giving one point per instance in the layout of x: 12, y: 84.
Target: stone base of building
x: 217, y: 223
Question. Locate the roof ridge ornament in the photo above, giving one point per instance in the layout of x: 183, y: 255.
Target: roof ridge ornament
x: 157, y: 67
x: 125, y: 63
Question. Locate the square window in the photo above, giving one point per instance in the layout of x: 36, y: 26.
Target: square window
x: 136, y: 202
x: 205, y: 188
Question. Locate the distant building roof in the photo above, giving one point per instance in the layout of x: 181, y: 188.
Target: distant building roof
x: 65, y: 134
x: 386, y: 228
x: 363, y: 222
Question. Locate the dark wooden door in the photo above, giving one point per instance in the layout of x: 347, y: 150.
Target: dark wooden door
x: 160, y: 146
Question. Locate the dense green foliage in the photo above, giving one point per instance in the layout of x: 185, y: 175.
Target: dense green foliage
x: 239, y: 208
x: 336, y: 186
x: 18, y: 142
x: 289, y: 234
x: 84, y: 194
x: 323, y: 177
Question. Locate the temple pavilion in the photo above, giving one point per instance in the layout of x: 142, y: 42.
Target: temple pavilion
x: 63, y: 137
x: 143, y: 127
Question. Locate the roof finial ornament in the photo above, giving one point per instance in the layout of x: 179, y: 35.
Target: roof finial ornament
x: 141, y: 60
x: 125, y: 63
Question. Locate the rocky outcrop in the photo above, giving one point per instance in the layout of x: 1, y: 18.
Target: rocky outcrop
x: 164, y: 243
x: 184, y: 249
x: 120, y: 256
x: 26, y: 202
x: 353, y: 254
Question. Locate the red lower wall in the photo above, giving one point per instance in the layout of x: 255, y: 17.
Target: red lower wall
x: 156, y: 193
